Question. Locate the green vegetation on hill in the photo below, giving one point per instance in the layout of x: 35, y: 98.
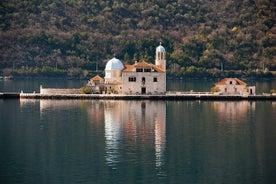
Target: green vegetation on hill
x: 74, y: 38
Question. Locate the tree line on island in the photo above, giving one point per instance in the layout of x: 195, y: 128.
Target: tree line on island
x: 203, y: 38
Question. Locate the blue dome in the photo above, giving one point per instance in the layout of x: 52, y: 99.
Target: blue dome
x: 160, y: 48
x: 114, y: 64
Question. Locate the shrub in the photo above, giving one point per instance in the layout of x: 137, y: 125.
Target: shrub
x: 86, y: 90
x: 215, y: 89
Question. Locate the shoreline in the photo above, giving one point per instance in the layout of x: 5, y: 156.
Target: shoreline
x: 209, y: 97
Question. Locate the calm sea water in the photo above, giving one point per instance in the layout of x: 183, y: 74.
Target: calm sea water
x: 92, y: 141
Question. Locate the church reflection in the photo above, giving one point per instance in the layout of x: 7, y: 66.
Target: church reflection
x: 140, y: 124
x: 113, y: 131
x: 173, y: 138
x: 126, y: 124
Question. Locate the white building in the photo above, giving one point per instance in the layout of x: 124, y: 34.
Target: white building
x: 234, y: 86
x: 138, y: 78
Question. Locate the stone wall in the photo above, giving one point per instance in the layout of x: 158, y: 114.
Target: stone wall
x: 150, y: 86
x: 59, y: 91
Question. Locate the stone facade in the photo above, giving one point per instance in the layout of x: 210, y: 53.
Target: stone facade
x: 144, y: 83
x: 234, y: 86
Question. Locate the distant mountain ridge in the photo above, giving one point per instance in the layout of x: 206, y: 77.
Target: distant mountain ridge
x: 73, y: 37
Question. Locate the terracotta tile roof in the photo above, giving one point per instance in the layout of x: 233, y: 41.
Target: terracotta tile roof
x: 159, y: 68
x: 128, y: 68
x: 143, y: 64
x: 97, y: 78
x: 223, y: 81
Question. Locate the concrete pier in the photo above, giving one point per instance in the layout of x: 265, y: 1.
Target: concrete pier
x: 148, y: 97
x: 168, y: 96
x: 9, y: 95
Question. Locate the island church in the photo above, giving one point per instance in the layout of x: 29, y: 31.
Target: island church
x: 138, y: 78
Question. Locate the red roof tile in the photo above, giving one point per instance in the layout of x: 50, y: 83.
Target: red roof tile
x: 97, y: 78
x: 128, y: 68
x: 143, y: 64
x: 223, y: 81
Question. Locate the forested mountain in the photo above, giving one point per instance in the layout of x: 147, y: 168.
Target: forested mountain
x: 76, y: 37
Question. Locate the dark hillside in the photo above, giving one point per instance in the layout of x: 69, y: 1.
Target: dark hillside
x: 69, y: 38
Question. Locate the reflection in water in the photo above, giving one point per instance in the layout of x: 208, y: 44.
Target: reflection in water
x: 113, y: 131
x: 137, y: 122
x: 124, y: 141
x: 27, y: 102
x: 236, y: 115
x: 233, y: 111
x: 160, y: 134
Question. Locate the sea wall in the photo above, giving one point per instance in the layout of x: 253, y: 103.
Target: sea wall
x: 148, y: 97
x: 9, y: 95
x: 59, y: 91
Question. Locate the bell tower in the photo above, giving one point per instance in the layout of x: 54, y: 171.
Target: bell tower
x: 160, y: 57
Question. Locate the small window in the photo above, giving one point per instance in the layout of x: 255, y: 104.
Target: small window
x: 147, y: 70
x: 143, y: 80
x: 154, y: 79
x: 139, y: 69
x: 132, y: 79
